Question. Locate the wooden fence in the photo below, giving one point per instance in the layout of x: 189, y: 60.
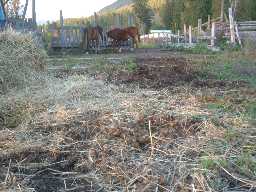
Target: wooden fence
x: 76, y: 36
x: 162, y: 38
x: 22, y: 25
x: 206, y: 32
x: 67, y: 37
x: 247, y: 26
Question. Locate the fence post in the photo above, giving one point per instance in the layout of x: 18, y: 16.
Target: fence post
x: 185, y: 33
x: 222, y: 10
x: 95, y: 19
x: 232, y: 26
x: 237, y: 34
x: 61, y: 19
x: 178, y: 36
x: 190, y: 34
x: 199, y: 27
x: 158, y: 38
x: 129, y: 20
x: 209, y: 21
x: 34, y: 13
x: 62, y: 35
x: 213, y: 35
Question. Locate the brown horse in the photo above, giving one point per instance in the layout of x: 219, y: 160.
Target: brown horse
x: 118, y: 35
x: 133, y: 32
x: 94, y: 36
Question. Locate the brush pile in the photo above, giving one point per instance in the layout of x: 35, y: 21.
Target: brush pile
x: 83, y: 135
x: 20, y: 61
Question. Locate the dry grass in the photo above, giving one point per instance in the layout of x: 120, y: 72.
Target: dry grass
x: 20, y: 60
x: 101, y: 134
x: 81, y: 134
x: 93, y: 136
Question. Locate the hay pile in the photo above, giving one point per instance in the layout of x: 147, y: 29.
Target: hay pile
x: 20, y: 60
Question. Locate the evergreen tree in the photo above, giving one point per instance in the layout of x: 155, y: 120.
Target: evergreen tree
x: 177, y: 14
x: 166, y: 13
x: 246, y: 10
x: 144, y: 13
x: 205, y: 9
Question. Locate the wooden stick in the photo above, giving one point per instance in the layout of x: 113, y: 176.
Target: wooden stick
x: 199, y: 27
x: 151, y: 138
x: 237, y: 35
x: 185, y: 33
x: 209, y: 21
x: 222, y: 11
x: 213, y: 35
x: 8, y: 172
x: 232, y: 27
x: 190, y: 34
x: 61, y: 19
x: 178, y: 36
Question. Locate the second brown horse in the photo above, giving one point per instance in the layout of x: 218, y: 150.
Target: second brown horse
x: 118, y: 35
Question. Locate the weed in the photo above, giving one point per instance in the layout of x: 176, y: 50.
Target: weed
x: 111, y: 67
x: 227, y: 67
x: 68, y: 67
x: 219, y: 107
x: 225, y: 45
x: 15, y: 113
x: 246, y: 164
x: 199, y: 48
x: 251, y: 110
x: 199, y: 118
x: 148, y: 45
x: 130, y: 65
x: 231, y: 135
x: 208, y: 163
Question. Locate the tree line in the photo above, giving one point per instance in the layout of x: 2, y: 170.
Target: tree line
x: 174, y: 13
x: 157, y: 14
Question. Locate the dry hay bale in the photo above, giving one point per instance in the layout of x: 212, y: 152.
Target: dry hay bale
x: 20, y: 60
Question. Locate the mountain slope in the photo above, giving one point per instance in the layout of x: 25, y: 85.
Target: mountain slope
x: 116, y: 5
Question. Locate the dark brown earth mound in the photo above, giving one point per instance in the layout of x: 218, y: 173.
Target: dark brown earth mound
x: 159, y: 72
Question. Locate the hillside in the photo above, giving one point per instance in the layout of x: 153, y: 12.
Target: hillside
x: 116, y: 5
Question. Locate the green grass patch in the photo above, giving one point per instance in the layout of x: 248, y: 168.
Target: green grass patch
x: 101, y: 65
x: 199, y: 48
x: 251, y: 110
x: 227, y: 67
x: 148, y: 45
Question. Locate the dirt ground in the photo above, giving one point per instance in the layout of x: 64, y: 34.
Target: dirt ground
x: 145, y: 122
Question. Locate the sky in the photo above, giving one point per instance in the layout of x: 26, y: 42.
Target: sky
x: 49, y: 9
